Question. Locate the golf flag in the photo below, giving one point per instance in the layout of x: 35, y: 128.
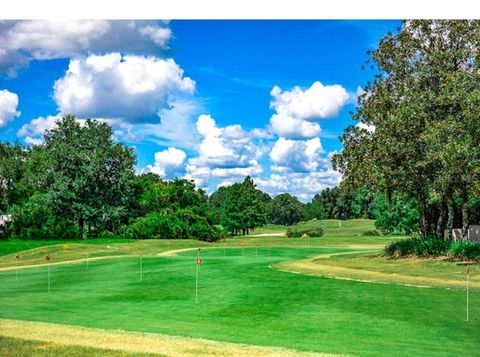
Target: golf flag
x: 199, y: 260
x: 47, y: 257
x: 17, y: 256
x: 468, y: 268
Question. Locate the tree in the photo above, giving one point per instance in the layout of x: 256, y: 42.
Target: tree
x: 243, y: 207
x: 286, y: 210
x: 422, y: 108
x: 88, y: 177
x: 12, y: 171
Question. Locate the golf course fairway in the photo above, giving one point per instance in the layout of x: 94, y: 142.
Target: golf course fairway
x: 244, y: 299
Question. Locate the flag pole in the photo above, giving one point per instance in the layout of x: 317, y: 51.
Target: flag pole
x: 197, y: 263
x: 141, y: 267
x: 16, y: 266
x: 468, y: 307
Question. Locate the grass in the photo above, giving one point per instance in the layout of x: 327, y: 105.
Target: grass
x: 332, y: 227
x: 242, y: 299
x: 14, y: 347
x: 17, y: 245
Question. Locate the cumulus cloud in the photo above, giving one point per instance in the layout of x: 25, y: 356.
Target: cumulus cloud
x: 169, y: 163
x: 297, y: 155
x: 296, y: 109
x: 26, y: 40
x: 223, y: 153
x: 133, y: 88
x: 302, y: 185
x: 33, y: 131
x: 8, y: 106
x: 295, y: 128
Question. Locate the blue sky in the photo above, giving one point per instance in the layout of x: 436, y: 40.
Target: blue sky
x: 207, y: 100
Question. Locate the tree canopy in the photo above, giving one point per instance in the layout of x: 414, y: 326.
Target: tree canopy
x: 422, y: 111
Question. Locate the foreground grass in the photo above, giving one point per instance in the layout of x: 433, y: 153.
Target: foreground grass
x: 243, y: 300
x: 104, y: 342
x: 15, y: 347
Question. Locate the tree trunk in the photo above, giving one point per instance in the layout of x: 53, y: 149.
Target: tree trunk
x: 441, y: 219
x: 464, y: 213
x: 81, y: 224
x: 423, y: 219
x: 451, y: 213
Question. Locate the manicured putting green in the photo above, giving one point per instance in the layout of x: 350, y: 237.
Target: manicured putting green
x: 244, y: 300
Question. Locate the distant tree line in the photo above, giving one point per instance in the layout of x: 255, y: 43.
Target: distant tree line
x: 81, y: 183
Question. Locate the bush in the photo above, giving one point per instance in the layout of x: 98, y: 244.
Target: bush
x: 371, y: 233
x: 174, y: 225
x: 428, y: 247
x: 465, y: 250
x: 312, y: 233
x: 106, y: 234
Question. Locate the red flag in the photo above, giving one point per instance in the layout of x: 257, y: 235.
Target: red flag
x: 199, y: 260
x: 47, y: 257
x: 468, y: 268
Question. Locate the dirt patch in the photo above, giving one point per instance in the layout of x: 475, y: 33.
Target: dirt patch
x: 136, y: 342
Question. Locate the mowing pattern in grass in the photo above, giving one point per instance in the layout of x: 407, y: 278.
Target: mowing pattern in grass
x: 244, y: 300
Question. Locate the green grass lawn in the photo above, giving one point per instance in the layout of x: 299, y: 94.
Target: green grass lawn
x: 332, y: 227
x: 242, y: 299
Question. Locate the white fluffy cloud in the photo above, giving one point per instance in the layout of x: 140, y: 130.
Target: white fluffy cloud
x: 296, y: 109
x: 223, y: 153
x: 8, y: 106
x: 34, y: 130
x: 302, y: 185
x: 133, y: 88
x: 297, y: 155
x: 169, y: 163
x: 26, y: 40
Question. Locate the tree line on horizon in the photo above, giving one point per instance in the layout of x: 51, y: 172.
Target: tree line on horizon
x: 80, y: 183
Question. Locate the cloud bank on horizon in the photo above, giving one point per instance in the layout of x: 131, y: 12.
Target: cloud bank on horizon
x: 125, y: 72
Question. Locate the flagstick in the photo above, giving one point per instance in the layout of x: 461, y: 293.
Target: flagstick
x: 467, y: 298
x: 196, y: 279
x: 49, y: 277
x: 16, y: 269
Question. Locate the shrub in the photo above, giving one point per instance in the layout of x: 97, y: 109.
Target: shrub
x: 106, y: 234
x: 371, y: 233
x: 428, y: 247
x: 170, y: 226
x: 465, y: 250
x: 312, y: 232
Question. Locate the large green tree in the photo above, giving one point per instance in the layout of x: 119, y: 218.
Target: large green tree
x: 88, y: 177
x: 285, y: 209
x: 422, y: 108
x: 242, y: 206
